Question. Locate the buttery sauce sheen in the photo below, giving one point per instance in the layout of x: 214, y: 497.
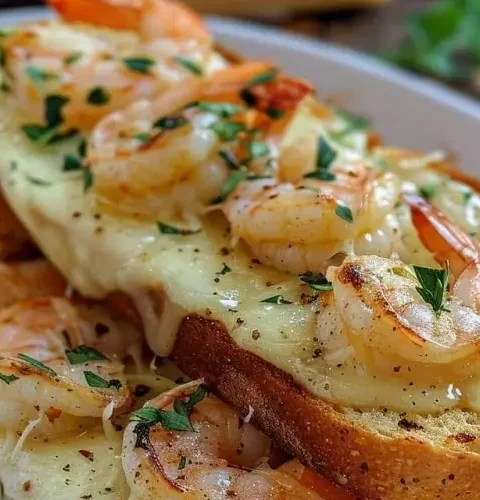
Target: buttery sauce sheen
x: 100, y: 254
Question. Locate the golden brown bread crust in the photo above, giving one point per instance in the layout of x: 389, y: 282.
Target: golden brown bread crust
x: 370, y: 465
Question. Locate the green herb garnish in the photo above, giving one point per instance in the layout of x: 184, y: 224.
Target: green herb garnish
x: 225, y: 270
x: 142, y: 136
x: 37, y: 182
x: 8, y: 379
x: 191, y: 66
x: 93, y: 380
x: 54, y: 105
x: 88, y: 179
x: 83, y: 354
x: 427, y: 192
x: 73, y: 58
x: 39, y: 75
x: 167, y: 229
x: 182, y: 463
x: 176, y: 420
x: 325, y: 157
x: 265, y: 77
x: 433, y: 285
x: 139, y: 64
x: 258, y: 149
x: 98, y: 96
x: 353, y: 123
x: 222, y: 109
x: 316, y: 281
x: 71, y: 163
x: 170, y: 122
x: 228, y: 131
x: 344, y: 212
x: 230, y: 159
x: 37, y: 364
x: 275, y: 113
x: 230, y: 185
x: 276, y: 299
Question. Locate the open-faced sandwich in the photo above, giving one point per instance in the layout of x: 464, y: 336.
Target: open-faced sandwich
x: 324, y: 285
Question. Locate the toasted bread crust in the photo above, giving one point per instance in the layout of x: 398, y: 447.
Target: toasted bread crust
x: 367, y: 463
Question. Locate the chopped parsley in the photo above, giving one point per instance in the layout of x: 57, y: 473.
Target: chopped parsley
x: 222, y: 109
x: 230, y: 185
x: 53, y: 111
x: 39, y: 75
x: 228, y: 131
x: 82, y: 148
x: 167, y: 229
x: 262, y: 78
x: 139, y: 64
x: 73, y: 58
x: 176, y: 420
x: 170, y: 122
x: 316, y: 281
x: 344, y: 212
x: 325, y: 157
x: 71, y: 163
x: 8, y: 379
x: 225, y: 270
x: 427, y: 192
x: 433, y: 286
x: 258, y: 149
x: 83, y: 354
x: 93, y: 380
x: 353, y: 123
x: 190, y: 65
x: 230, y: 159
x: 276, y: 299
x: 37, y: 182
x: 98, y: 96
x: 182, y: 463
x: 37, y: 364
x: 142, y: 136
x: 275, y: 113
x: 88, y: 179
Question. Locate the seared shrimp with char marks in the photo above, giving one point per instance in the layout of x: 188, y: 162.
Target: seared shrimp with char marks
x: 174, y: 156
x: 186, y: 444
x: 104, y: 56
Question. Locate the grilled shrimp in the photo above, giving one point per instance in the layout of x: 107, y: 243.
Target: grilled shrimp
x: 186, y: 444
x: 297, y: 228
x: 174, y: 155
x: 61, y: 360
x: 104, y: 56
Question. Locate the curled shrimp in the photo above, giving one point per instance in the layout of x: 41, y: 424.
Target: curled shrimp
x: 173, y: 156
x: 61, y: 360
x: 297, y: 228
x: 28, y: 280
x: 104, y: 56
x: 215, y: 456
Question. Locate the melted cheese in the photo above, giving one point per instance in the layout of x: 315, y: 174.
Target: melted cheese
x: 100, y: 254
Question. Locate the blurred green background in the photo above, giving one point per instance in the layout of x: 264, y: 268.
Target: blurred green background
x: 438, y: 38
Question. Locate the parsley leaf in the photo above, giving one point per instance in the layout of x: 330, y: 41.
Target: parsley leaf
x: 98, y: 96
x: 222, y: 109
x: 258, y: 149
x: 8, y: 379
x: 88, y: 179
x: 276, y: 299
x: 325, y: 157
x: 167, y: 229
x: 94, y: 380
x: 230, y: 185
x: 83, y: 354
x: 433, y: 285
x: 344, y: 212
x: 230, y: 160
x: 316, y: 281
x: 262, y: 78
x: 170, y: 122
x: 39, y: 75
x: 191, y: 66
x: 71, y: 163
x: 228, y: 131
x: 139, y: 64
x: 37, y: 364
x: 73, y: 58
x: 225, y: 270
x: 427, y: 192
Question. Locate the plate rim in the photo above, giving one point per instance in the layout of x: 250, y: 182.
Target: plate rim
x: 332, y: 52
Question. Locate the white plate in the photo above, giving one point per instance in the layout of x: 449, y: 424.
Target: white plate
x: 408, y: 110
